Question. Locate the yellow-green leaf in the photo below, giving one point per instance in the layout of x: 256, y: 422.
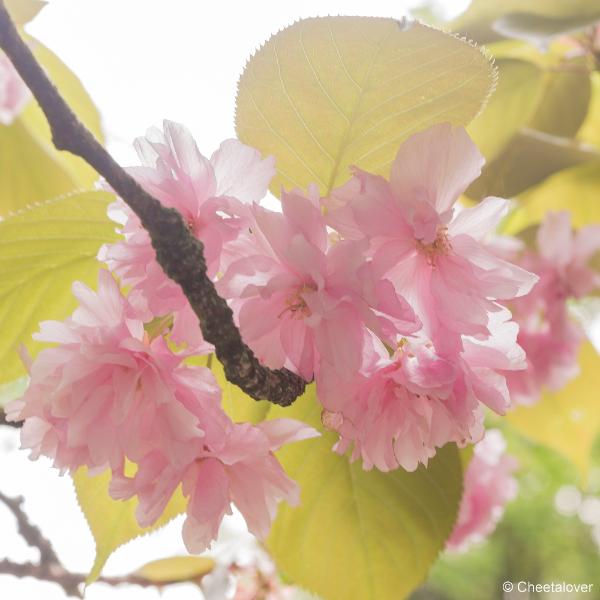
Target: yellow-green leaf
x: 567, y: 421
x: 43, y: 249
x: 360, y: 535
x: 529, y: 158
x: 13, y: 389
x: 176, y: 568
x: 514, y: 102
x: 31, y: 169
x: 590, y: 130
x: 576, y: 190
x: 566, y: 97
x: 113, y: 522
x: 328, y: 93
x: 28, y: 172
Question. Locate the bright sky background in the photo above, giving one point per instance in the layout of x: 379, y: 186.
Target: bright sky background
x: 142, y: 61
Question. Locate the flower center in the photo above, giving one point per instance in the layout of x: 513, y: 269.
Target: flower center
x: 296, y: 305
x: 440, y: 246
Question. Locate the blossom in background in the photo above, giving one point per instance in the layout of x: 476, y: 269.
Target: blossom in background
x: 434, y: 255
x: 110, y: 394
x: 14, y: 94
x: 488, y: 487
x: 305, y: 303
x: 211, y: 195
x: 549, y: 336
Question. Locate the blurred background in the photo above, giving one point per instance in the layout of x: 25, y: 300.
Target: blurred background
x: 145, y: 60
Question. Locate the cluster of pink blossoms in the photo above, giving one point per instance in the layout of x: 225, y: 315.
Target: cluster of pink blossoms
x: 14, y: 94
x: 488, y: 486
x: 383, y: 292
x: 550, y: 338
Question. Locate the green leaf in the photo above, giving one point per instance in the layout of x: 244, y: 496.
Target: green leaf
x: 176, y: 568
x: 43, y: 249
x: 590, y: 130
x: 567, y: 421
x: 520, y: 84
x: 538, y: 29
x: 566, y: 98
x: 113, y: 522
x: 328, y: 93
x: 576, y: 190
x: 529, y: 158
x: 28, y: 170
x: 360, y: 535
x: 32, y: 169
x: 486, y: 21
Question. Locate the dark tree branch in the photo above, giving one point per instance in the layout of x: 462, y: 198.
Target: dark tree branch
x: 178, y: 252
x: 3, y: 421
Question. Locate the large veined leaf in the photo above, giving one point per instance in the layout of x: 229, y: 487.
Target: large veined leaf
x: 567, y: 421
x: 515, y: 101
x: 113, y: 522
x: 576, y: 190
x: 528, y: 159
x: 328, y: 93
x: 43, y: 249
x: 360, y: 535
x: 32, y: 169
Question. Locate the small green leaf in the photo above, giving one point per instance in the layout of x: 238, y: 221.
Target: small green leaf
x: 360, y: 535
x: 13, y: 389
x: 328, y: 93
x: 113, y: 522
x: 515, y: 101
x: 43, y: 249
x: 176, y: 568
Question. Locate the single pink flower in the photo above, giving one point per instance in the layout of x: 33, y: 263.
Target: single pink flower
x: 488, y: 487
x: 107, y: 391
x: 14, y: 94
x: 211, y: 195
x: 434, y: 255
x: 303, y: 302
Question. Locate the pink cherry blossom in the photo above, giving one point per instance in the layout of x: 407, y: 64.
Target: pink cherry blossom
x: 303, y: 302
x: 14, y: 94
x: 434, y: 255
x: 398, y: 410
x: 211, y: 195
x: 108, y: 395
x: 107, y: 391
x: 549, y: 336
x: 488, y: 487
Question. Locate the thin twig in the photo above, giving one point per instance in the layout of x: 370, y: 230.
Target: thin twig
x: 178, y: 252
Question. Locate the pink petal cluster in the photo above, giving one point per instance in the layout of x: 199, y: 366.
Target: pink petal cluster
x: 108, y: 394
x: 14, y: 94
x: 549, y: 336
x: 426, y: 389
x: 305, y: 303
x: 211, y: 195
x: 488, y: 487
